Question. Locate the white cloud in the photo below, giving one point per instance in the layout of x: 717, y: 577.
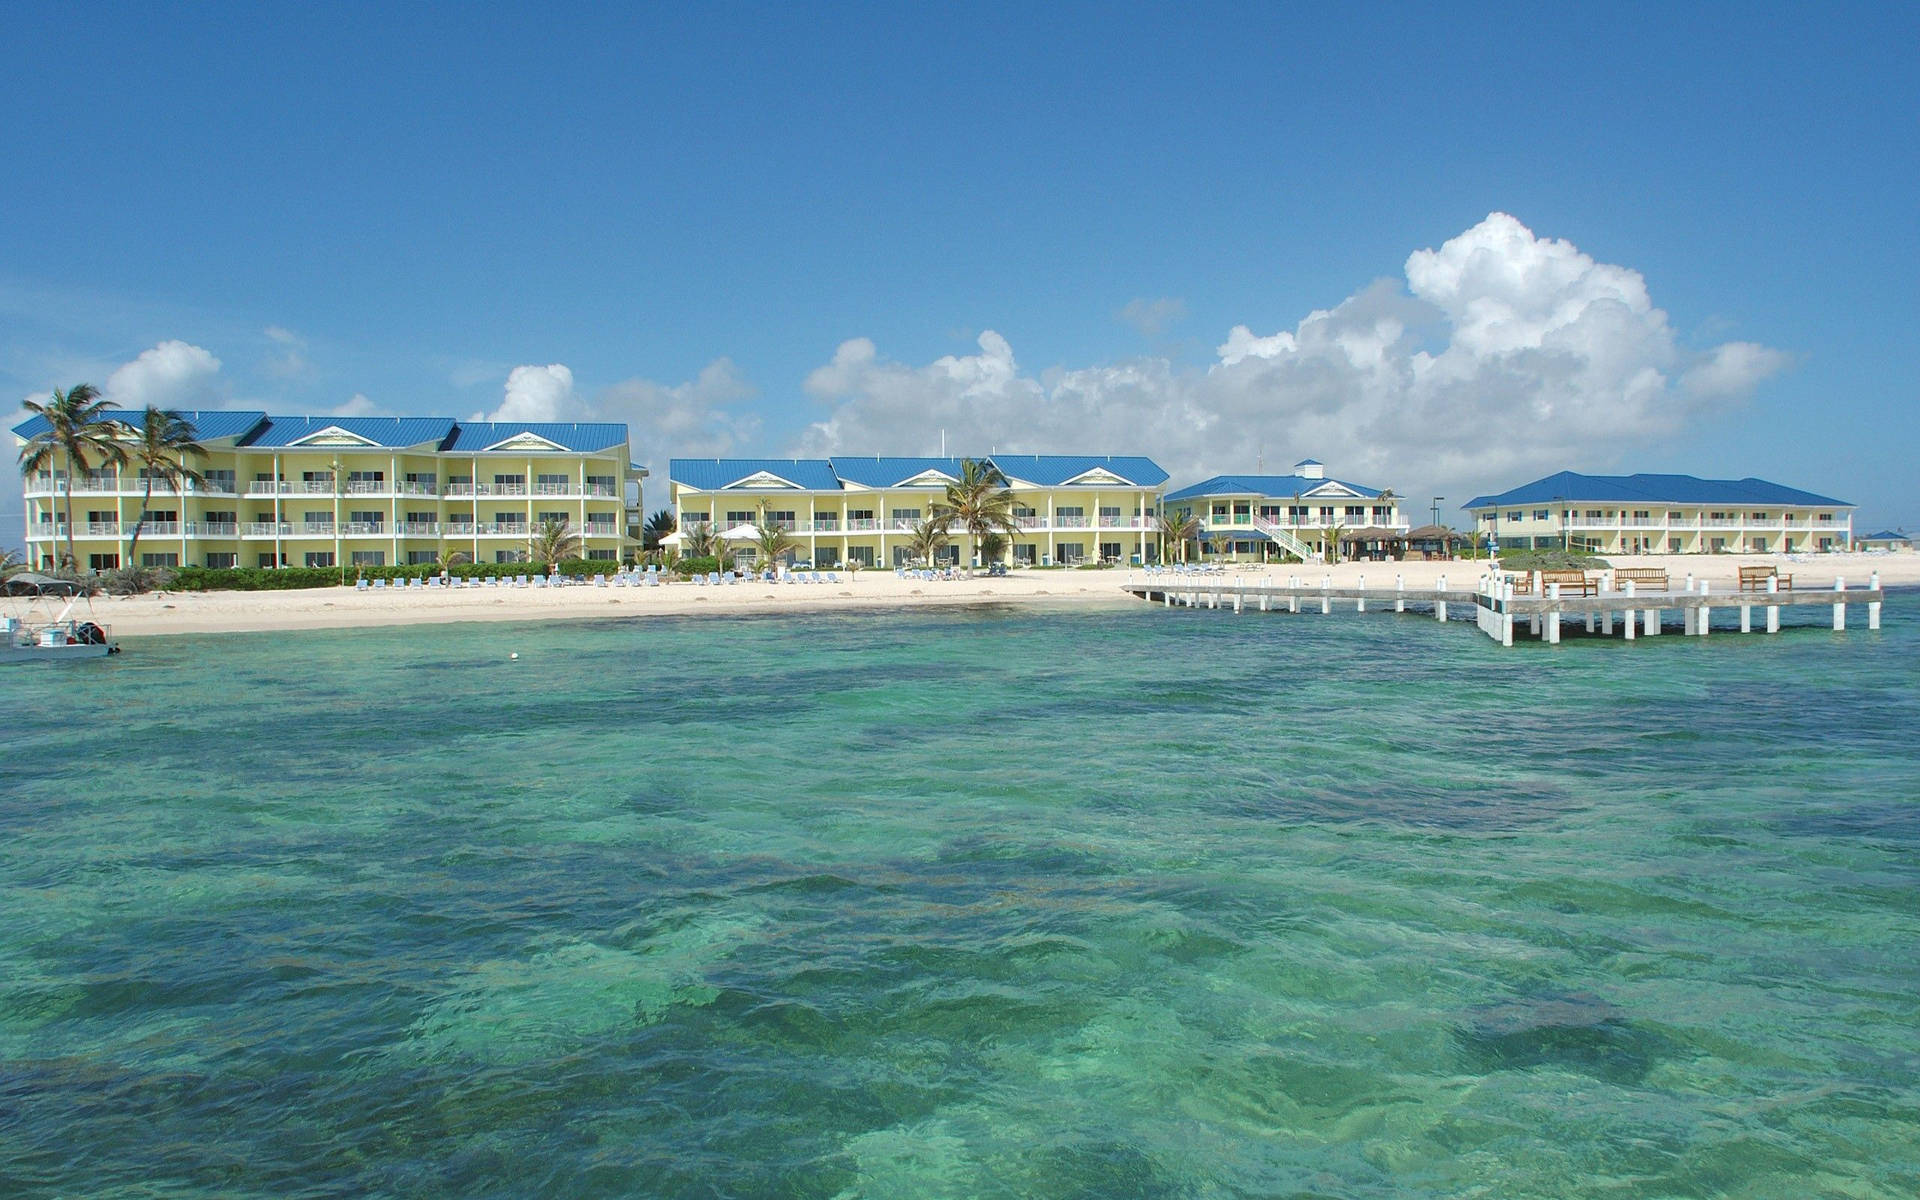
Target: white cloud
x: 1153, y: 317
x: 355, y: 406
x: 1503, y: 356
x: 698, y: 418
x: 289, y: 358
x: 172, y: 374
x: 535, y: 393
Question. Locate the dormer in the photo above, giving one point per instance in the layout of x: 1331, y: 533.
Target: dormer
x: 1308, y: 468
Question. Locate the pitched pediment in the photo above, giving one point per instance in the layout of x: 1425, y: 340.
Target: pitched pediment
x: 333, y: 435
x: 1333, y: 490
x: 928, y: 479
x: 765, y: 479
x: 1098, y: 477
x: 532, y: 442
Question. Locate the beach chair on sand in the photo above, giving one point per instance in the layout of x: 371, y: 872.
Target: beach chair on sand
x: 360, y: 585
x: 599, y: 581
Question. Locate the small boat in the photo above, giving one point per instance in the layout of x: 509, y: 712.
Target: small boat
x: 40, y: 634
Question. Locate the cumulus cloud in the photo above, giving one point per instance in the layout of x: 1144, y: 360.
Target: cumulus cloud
x: 535, y: 393
x: 355, y: 406
x: 1153, y: 317
x: 1501, y: 355
x: 172, y: 374
x: 701, y: 417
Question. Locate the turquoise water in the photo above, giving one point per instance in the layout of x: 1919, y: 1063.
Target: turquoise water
x: 973, y: 903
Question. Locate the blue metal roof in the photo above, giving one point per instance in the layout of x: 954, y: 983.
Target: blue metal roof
x: 1572, y: 487
x: 1886, y: 535
x: 890, y: 472
x: 715, y: 474
x: 1272, y: 486
x: 390, y: 432
x: 209, y: 425
x: 1052, y: 470
x: 470, y: 437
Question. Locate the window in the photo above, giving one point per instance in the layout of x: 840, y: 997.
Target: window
x: 906, y: 514
x: 1673, y: 545
x: 827, y: 558
x: 1759, y: 516
x: 510, y: 485
x: 367, y: 517
x: 1298, y: 512
x: 861, y: 554
x: 1641, y: 514
x: 266, y: 560
x: 103, y: 562
x: 421, y: 518
x: 509, y: 518
x: 1026, y: 554
x: 544, y: 517
x: 221, y: 562
x: 320, y: 558
x: 1219, y: 512
x: 1512, y: 516
x: 1384, y: 512
x: 602, y: 485
x: 1594, y: 514
x: 417, y: 558
x: 602, y: 555
x: 551, y: 485
x: 1110, y: 551
x: 369, y: 558
x: 317, y: 517
x: 218, y: 481
x: 217, y: 516
x: 1356, y: 512
x: 509, y: 556
x: 1543, y: 514
x: 1069, y: 554
x: 159, y: 560
x: 738, y: 516
x: 782, y: 520
x: 424, y: 479
x: 1673, y: 515
x: 860, y: 514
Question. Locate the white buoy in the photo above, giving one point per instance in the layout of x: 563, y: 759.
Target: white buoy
x: 515, y: 654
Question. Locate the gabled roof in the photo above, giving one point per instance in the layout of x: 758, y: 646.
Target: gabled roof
x: 1054, y: 470
x: 892, y: 472
x: 719, y: 474
x: 478, y: 437
x: 210, y: 425
x: 1275, y: 486
x: 385, y: 432
x: 1572, y: 487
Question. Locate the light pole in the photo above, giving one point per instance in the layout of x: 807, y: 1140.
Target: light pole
x: 1445, y: 547
x: 1436, y: 508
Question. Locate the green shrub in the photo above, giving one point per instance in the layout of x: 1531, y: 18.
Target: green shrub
x: 697, y: 566
x: 1549, y: 560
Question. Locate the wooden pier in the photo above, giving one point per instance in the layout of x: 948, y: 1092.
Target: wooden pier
x: 1540, y: 612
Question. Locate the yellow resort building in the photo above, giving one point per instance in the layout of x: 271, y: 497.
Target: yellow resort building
x: 1661, y: 514
x: 343, y: 491
x: 1070, y: 509
x: 1304, y: 515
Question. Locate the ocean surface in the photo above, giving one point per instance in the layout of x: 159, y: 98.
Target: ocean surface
x: 975, y: 903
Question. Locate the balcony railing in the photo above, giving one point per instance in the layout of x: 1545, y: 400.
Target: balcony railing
x: 602, y: 489
x: 596, y: 529
x: 1062, y: 522
x: 317, y: 529
x: 418, y: 528
x: 213, y: 529
x: 506, y: 489
x: 100, y: 528
x: 554, y: 489
x: 501, y: 529
x: 368, y: 487
x: 266, y: 529
x: 158, y: 529
x: 413, y: 487
x: 362, y: 528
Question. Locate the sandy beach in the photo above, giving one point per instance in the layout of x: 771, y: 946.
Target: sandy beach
x: 324, y: 608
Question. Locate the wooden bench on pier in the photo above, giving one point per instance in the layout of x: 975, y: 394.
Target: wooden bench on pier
x: 1572, y: 583
x: 1754, y: 579
x: 1642, y: 578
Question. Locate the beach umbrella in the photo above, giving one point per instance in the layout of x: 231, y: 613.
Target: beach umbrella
x: 742, y: 533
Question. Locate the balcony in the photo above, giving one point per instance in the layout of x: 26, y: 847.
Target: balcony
x: 505, y: 489
x: 413, y: 487
x: 362, y: 528
x: 501, y: 529
x: 213, y: 529
x: 862, y: 525
x: 256, y: 529
x: 159, y: 529
x: 597, y: 529
x: 419, y: 528
x: 1060, y: 522
x: 317, y: 529
x: 368, y: 487
x: 554, y: 489
x: 603, y: 490
x: 99, y: 528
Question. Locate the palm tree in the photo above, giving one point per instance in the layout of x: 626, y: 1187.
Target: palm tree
x: 1178, y: 528
x: 11, y: 563
x: 161, y: 447
x: 78, y: 431
x: 979, y: 501
x: 658, y: 527
x: 699, y: 540
x: 446, y: 560
x: 773, y: 541
x: 928, y: 537
x: 555, y: 539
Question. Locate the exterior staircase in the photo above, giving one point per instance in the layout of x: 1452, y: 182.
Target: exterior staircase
x: 1283, y: 538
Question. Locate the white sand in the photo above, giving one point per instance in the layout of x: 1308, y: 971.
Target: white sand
x: 324, y: 608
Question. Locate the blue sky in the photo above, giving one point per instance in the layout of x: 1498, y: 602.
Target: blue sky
x: 787, y: 229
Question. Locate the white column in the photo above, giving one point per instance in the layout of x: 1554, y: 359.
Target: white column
x: 1361, y: 604
x: 1399, y: 593
x: 1553, y: 618
x: 1873, y: 606
x: 1703, y: 618
x: 1773, y: 610
x: 1840, y: 609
